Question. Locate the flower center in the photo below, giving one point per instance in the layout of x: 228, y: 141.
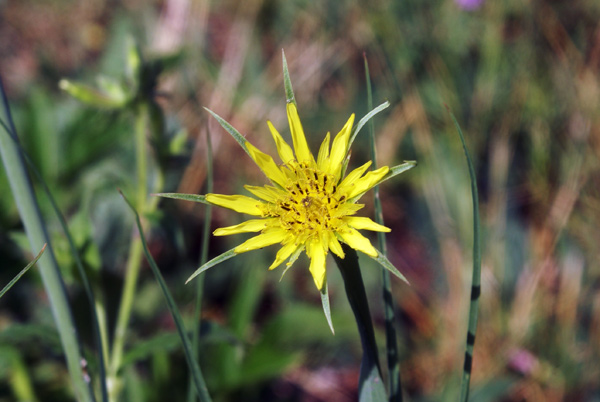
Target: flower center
x: 310, y: 204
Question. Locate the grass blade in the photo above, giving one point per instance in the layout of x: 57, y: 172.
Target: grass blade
x: 20, y: 274
x: 187, y: 347
x: 394, y: 382
x: 365, y: 120
x: 37, y: 234
x: 476, y: 281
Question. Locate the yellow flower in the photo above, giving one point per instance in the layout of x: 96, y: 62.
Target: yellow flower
x: 309, y: 205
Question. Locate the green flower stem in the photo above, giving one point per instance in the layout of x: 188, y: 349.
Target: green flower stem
x: 37, y: 234
x: 370, y: 386
x: 134, y: 260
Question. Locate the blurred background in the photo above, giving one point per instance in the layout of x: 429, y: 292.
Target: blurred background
x: 522, y: 78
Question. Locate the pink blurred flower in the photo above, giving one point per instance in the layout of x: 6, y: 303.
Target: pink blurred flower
x: 469, y: 5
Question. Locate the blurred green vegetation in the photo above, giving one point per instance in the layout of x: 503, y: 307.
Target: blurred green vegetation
x: 523, y: 79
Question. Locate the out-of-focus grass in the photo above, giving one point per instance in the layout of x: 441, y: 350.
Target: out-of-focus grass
x: 522, y: 79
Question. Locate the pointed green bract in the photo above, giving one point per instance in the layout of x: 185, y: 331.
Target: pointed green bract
x: 223, y: 257
x: 384, y: 262
x: 326, y: 309
x: 185, y: 197
x: 240, y: 139
x: 23, y: 271
x: 187, y: 347
x: 394, y: 171
x: 291, y: 261
x: 365, y: 119
x: 287, y: 82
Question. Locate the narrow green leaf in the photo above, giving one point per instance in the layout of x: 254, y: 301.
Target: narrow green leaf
x: 223, y: 257
x: 91, y: 96
x: 287, y: 82
x: 476, y: 280
x: 326, y: 309
x: 20, y: 274
x: 231, y: 130
x: 185, y: 197
x: 187, y: 347
x: 364, y: 121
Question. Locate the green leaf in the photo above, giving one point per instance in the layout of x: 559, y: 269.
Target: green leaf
x: 231, y: 130
x: 91, y: 96
x: 187, y: 347
x: 476, y: 279
x: 185, y: 197
x: 373, y: 388
x: 287, y: 82
x: 326, y: 309
x: 20, y: 274
x: 223, y: 257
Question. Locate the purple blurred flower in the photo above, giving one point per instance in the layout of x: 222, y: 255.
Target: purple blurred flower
x: 469, y: 5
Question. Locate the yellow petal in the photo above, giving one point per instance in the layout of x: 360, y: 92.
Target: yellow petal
x: 283, y: 253
x: 317, y: 254
x: 367, y: 182
x: 339, y: 148
x: 267, y: 193
x: 358, y: 242
x: 239, y: 203
x: 267, y: 238
x: 253, y: 225
x: 346, y: 209
x: 335, y: 246
x: 323, y: 153
x: 283, y: 149
x: 300, y: 145
x: 348, y: 183
x: 267, y: 165
x: 363, y: 223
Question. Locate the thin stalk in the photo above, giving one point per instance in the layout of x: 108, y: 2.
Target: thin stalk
x: 394, y: 383
x: 203, y: 259
x: 476, y: 280
x: 37, y: 234
x: 370, y: 386
x: 134, y: 260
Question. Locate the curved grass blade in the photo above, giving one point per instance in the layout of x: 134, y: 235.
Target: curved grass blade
x: 217, y: 260
x: 394, y: 382
x: 187, y: 347
x: 22, y: 189
x: 476, y: 280
x: 20, y: 274
x: 84, y: 278
x: 365, y: 120
x: 185, y: 197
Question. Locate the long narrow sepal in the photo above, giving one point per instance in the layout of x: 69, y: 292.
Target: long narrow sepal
x: 384, y: 262
x: 239, y: 138
x: 223, y: 257
x: 394, y: 171
x: 185, y: 197
x: 365, y: 120
x: 287, y: 82
x: 326, y: 309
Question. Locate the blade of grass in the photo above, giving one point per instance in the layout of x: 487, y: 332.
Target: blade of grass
x: 37, y: 233
x: 394, y: 382
x: 203, y: 258
x: 23, y: 271
x: 476, y: 280
x: 99, y: 335
x: 187, y: 347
